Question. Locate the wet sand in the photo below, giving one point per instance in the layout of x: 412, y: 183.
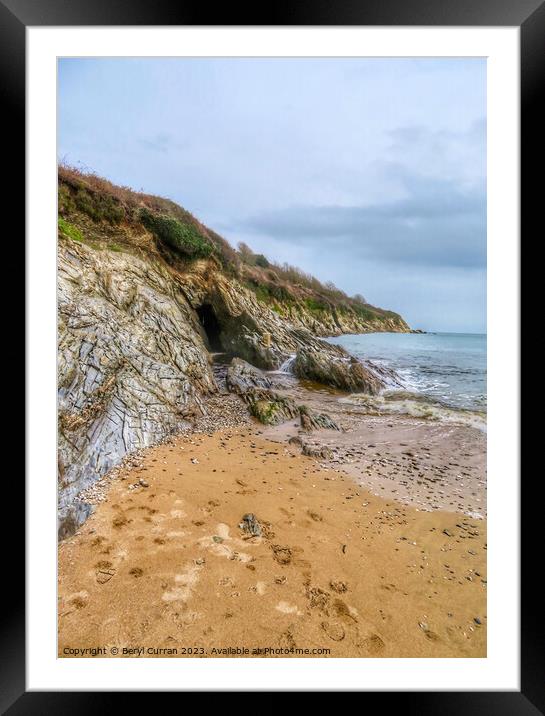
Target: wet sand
x: 424, y: 463
x: 163, y: 566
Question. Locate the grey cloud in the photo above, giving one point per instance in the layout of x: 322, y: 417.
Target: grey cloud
x: 436, y: 225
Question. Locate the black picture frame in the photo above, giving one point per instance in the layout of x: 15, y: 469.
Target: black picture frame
x: 529, y: 15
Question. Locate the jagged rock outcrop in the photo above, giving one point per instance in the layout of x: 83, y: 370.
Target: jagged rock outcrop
x: 242, y: 377
x: 336, y: 368
x: 268, y: 406
x: 245, y: 327
x: 132, y: 366
x: 314, y: 421
x: 335, y: 322
x: 147, y: 294
x: 135, y: 337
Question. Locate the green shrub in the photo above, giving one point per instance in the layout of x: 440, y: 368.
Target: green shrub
x: 69, y: 230
x: 315, y: 306
x: 182, y: 237
x: 66, y: 201
x: 364, y: 313
x: 99, y: 207
x: 262, y: 293
x: 261, y: 261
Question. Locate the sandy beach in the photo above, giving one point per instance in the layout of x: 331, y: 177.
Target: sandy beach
x: 374, y: 552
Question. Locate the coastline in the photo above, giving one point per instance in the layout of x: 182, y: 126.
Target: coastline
x: 354, y: 568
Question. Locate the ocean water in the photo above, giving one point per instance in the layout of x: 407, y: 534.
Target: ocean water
x: 442, y: 375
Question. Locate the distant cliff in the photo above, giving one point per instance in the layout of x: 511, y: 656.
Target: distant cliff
x: 146, y: 294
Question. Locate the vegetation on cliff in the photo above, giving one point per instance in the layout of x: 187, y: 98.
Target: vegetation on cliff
x: 106, y: 216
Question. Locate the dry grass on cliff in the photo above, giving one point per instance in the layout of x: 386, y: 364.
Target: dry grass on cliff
x: 113, y: 215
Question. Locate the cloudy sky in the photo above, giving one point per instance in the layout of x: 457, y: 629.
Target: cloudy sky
x: 370, y: 173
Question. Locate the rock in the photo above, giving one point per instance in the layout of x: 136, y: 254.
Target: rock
x: 143, y: 483
x: 336, y: 368
x: 241, y: 377
x: 448, y: 533
x: 135, y: 336
x: 320, y: 452
x: 295, y: 440
x: 71, y: 517
x: 251, y: 525
x: 132, y: 368
x: 306, y: 424
x: 269, y: 407
x: 313, y: 421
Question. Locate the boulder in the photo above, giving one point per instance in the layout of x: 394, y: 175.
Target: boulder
x: 320, y: 452
x: 241, y: 377
x: 313, y: 421
x: 250, y: 524
x: 270, y: 408
x: 132, y: 367
x: 337, y: 369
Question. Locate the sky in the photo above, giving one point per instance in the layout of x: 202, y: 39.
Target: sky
x: 367, y: 172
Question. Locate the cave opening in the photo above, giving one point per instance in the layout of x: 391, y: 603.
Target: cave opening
x: 211, y: 327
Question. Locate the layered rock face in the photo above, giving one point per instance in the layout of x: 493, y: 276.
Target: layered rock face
x: 337, y: 368
x: 132, y: 365
x: 135, y: 343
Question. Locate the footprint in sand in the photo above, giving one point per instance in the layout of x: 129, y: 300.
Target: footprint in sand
x: 77, y: 600
x: 104, y: 571
x: 343, y: 611
x: 260, y: 588
x: 315, y: 516
x: 282, y: 555
x: 334, y: 630
x: 113, y: 633
x: 210, y: 507
x: 318, y: 599
x: 373, y: 644
x: 287, y: 639
x: 226, y: 582
x: 184, y: 584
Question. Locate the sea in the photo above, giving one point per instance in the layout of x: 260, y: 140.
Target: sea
x: 441, y: 376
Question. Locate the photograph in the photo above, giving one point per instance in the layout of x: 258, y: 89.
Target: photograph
x: 272, y: 357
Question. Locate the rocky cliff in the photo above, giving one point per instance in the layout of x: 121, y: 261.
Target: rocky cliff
x: 143, y: 304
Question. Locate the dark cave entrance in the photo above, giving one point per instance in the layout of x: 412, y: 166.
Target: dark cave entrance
x: 211, y: 327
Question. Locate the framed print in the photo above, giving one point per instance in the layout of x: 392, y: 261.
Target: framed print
x: 273, y: 368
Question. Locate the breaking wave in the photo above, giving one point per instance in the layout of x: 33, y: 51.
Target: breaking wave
x: 417, y: 405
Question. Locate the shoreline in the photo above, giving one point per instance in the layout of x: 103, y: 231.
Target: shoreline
x: 163, y: 563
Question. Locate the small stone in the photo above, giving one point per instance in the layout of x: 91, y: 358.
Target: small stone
x: 251, y: 525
